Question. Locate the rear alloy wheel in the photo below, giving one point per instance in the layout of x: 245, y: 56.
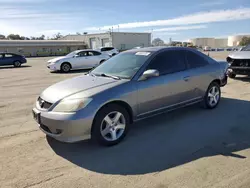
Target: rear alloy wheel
x: 213, y: 95
x: 17, y: 64
x: 65, y: 67
x: 111, y: 125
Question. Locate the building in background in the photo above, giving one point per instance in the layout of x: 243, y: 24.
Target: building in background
x: 119, y: 40
x: 41, y: 47
x: 231, y: 41
x: 235, y: 40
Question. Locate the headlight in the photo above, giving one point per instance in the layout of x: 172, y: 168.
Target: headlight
x: 71, y: 105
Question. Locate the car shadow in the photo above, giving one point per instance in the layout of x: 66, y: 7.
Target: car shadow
x: 72, y: 71
x: 167, y: 141
x: 243, y: 78
x: 12, y: 67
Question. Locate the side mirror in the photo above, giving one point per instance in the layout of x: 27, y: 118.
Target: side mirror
x: 75, y: 56
x: 149, y: 74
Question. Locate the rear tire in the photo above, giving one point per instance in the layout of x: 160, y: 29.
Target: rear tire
x: 65, y: 67
x: 109, y: 134
x: 17, y: 64
x: 212, y: 96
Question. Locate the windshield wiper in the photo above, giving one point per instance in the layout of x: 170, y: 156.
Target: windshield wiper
x: 110, y: 76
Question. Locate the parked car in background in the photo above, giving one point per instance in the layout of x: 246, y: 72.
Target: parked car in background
x: 80, y: 59
x: 207, y: 48
x: 12, y: 59
x: 239, y: 62
x: 108, y: 50
x: 131, y: 86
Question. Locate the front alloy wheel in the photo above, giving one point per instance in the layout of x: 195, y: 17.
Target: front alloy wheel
x: 213, y: 96
x: 113, y: 126
x: 17, y: 64
x: 110, y: 125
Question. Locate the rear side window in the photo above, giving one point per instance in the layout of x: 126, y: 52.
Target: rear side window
x: 1, y: 55
x: 195, y: 60
x: 169, y: 62
x: 96, y: 53
x: 9, y: 55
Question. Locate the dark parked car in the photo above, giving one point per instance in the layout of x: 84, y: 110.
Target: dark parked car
x: 11, y: 59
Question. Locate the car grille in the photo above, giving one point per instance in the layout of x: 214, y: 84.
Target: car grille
x: 240, y: 63
x: 44, y: 104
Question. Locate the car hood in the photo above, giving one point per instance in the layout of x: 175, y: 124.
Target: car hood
x: 56, y: 59
x: 240, y: 55
x: 75, y: 85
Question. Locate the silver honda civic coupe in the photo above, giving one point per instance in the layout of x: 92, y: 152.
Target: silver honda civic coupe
x: 136, y: 84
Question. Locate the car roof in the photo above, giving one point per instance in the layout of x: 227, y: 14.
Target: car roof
x: 159, y: 48
x: 77, y: 51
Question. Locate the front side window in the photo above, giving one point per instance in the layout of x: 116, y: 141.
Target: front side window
x: 83, y: 53
x: 124, y: 65
x: 1, y: 56
x: 195, y: 60
x: 169, y: 62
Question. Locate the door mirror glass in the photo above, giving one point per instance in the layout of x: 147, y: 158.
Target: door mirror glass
x: 149, y: 74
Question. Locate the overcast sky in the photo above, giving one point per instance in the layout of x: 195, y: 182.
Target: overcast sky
x: 178, y: 19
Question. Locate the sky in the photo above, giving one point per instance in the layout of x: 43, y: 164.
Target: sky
x: 175, y: 19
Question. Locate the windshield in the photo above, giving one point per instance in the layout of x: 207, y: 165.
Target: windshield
x: 247, y: 48
x: 124, y: 65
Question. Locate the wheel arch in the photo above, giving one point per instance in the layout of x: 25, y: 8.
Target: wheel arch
x: 218, y: 81
x: 121, y: 103
x: 65, y: 63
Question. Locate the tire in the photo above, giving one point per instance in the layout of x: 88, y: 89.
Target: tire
x: 212, y: 96
x: 17, y: 64
x: 231, y: 75
x: 109, y: 134
x: 102, y: 61
x: 65, y: 67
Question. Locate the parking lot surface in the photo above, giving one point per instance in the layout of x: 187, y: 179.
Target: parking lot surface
x: 191, y: 147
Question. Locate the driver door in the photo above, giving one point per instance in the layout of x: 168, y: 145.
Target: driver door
x: 80, y: 61
x: 168, y: 89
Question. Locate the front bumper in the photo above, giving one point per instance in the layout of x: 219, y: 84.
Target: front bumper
x: 239, y: 70
x: 223, y: 81
x: 52, y: 67
x: 64, y: 127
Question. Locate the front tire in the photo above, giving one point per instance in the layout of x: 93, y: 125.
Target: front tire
x: 17, y: 64
x: 111, y: 125
x: 231, y: 75
x: 65, y: 67
x: 212, y: 96
x: 102, y: 61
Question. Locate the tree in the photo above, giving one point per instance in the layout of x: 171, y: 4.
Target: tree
x: 157, y: 42
x: 57, y: 36
x: 14, y: 37
x: 245, y: 41
x: 77, y: 33
x: 2, y: 37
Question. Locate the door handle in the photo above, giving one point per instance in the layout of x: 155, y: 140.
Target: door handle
x: 186, y: 78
